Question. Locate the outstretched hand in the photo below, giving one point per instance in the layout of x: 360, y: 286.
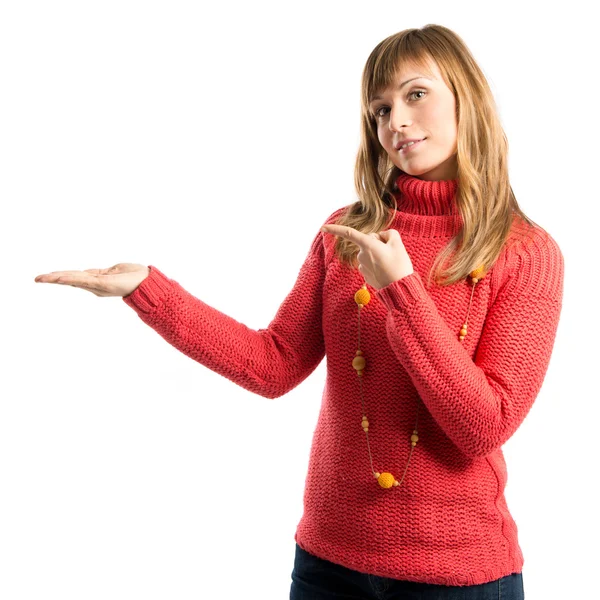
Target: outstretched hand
x: 119, y: 280
x: 382, y: 257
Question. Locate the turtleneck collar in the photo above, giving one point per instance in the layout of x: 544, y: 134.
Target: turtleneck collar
x: 426, y: 209
x: 421, y: 197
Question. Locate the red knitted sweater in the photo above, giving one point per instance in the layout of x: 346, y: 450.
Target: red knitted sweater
x: 448, y: 523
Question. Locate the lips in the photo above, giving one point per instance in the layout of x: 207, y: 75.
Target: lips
x: 413, y: 145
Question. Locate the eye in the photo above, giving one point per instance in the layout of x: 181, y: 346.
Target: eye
x: 417, y: 92
x: 377, y: 110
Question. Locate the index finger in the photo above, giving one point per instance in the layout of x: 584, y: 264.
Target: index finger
x: 358, y: 237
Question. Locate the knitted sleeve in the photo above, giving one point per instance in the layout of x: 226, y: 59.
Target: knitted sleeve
x: 480, y: 402
x: 269, y: 361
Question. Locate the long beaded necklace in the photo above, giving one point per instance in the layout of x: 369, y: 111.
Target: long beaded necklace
x: 362, y: 297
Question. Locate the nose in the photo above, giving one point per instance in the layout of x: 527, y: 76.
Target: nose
x: 398, y: 119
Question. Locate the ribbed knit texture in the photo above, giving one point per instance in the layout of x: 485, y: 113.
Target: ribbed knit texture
x: 448, y: 523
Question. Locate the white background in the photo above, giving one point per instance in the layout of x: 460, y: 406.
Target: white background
x: 212, y: 143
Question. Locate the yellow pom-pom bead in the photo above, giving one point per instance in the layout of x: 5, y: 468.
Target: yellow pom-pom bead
x: 362, y: 297
x: 386, y: 480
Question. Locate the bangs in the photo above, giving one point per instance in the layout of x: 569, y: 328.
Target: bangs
x: 383, y: 72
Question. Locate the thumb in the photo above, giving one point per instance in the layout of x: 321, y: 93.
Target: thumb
x: 386, y: 236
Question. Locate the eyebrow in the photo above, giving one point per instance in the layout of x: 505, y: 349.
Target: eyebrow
x: 402, y: 85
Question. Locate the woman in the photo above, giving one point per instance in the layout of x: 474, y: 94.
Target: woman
x: 436, y: 301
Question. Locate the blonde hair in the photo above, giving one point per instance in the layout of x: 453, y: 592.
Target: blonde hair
x: 484, y: 197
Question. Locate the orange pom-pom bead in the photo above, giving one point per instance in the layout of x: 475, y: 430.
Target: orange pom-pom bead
x: 386, y: 480
x: 478, y: 273
x: 362, y: 296
x: 359, y: 362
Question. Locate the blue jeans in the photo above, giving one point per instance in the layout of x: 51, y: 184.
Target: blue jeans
x: 314, y: 578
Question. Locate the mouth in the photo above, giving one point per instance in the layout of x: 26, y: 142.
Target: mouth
x: 411, y: 146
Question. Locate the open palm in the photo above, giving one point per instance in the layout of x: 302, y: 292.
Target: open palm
x: 119, y: 280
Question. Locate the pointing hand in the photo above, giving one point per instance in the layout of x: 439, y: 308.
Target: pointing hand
x: 382, y: 257
x: 120, y: 280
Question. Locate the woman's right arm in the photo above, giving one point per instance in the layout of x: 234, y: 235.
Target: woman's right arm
x: 269, y: 362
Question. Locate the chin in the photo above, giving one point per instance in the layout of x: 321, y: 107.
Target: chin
x: 434, y: 172
x: 415, y: 172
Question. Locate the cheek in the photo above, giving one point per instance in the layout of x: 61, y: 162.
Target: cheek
x: 385, y: 140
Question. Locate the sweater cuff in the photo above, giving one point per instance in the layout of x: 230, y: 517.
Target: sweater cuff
x: 403, y: 292
x: 150, y: 293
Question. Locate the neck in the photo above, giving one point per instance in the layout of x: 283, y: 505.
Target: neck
x: 421, y: 197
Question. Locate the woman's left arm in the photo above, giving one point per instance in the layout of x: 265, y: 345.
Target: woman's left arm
x: 481, y: 402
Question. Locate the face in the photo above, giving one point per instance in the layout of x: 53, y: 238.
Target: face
x: 423, y: 108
